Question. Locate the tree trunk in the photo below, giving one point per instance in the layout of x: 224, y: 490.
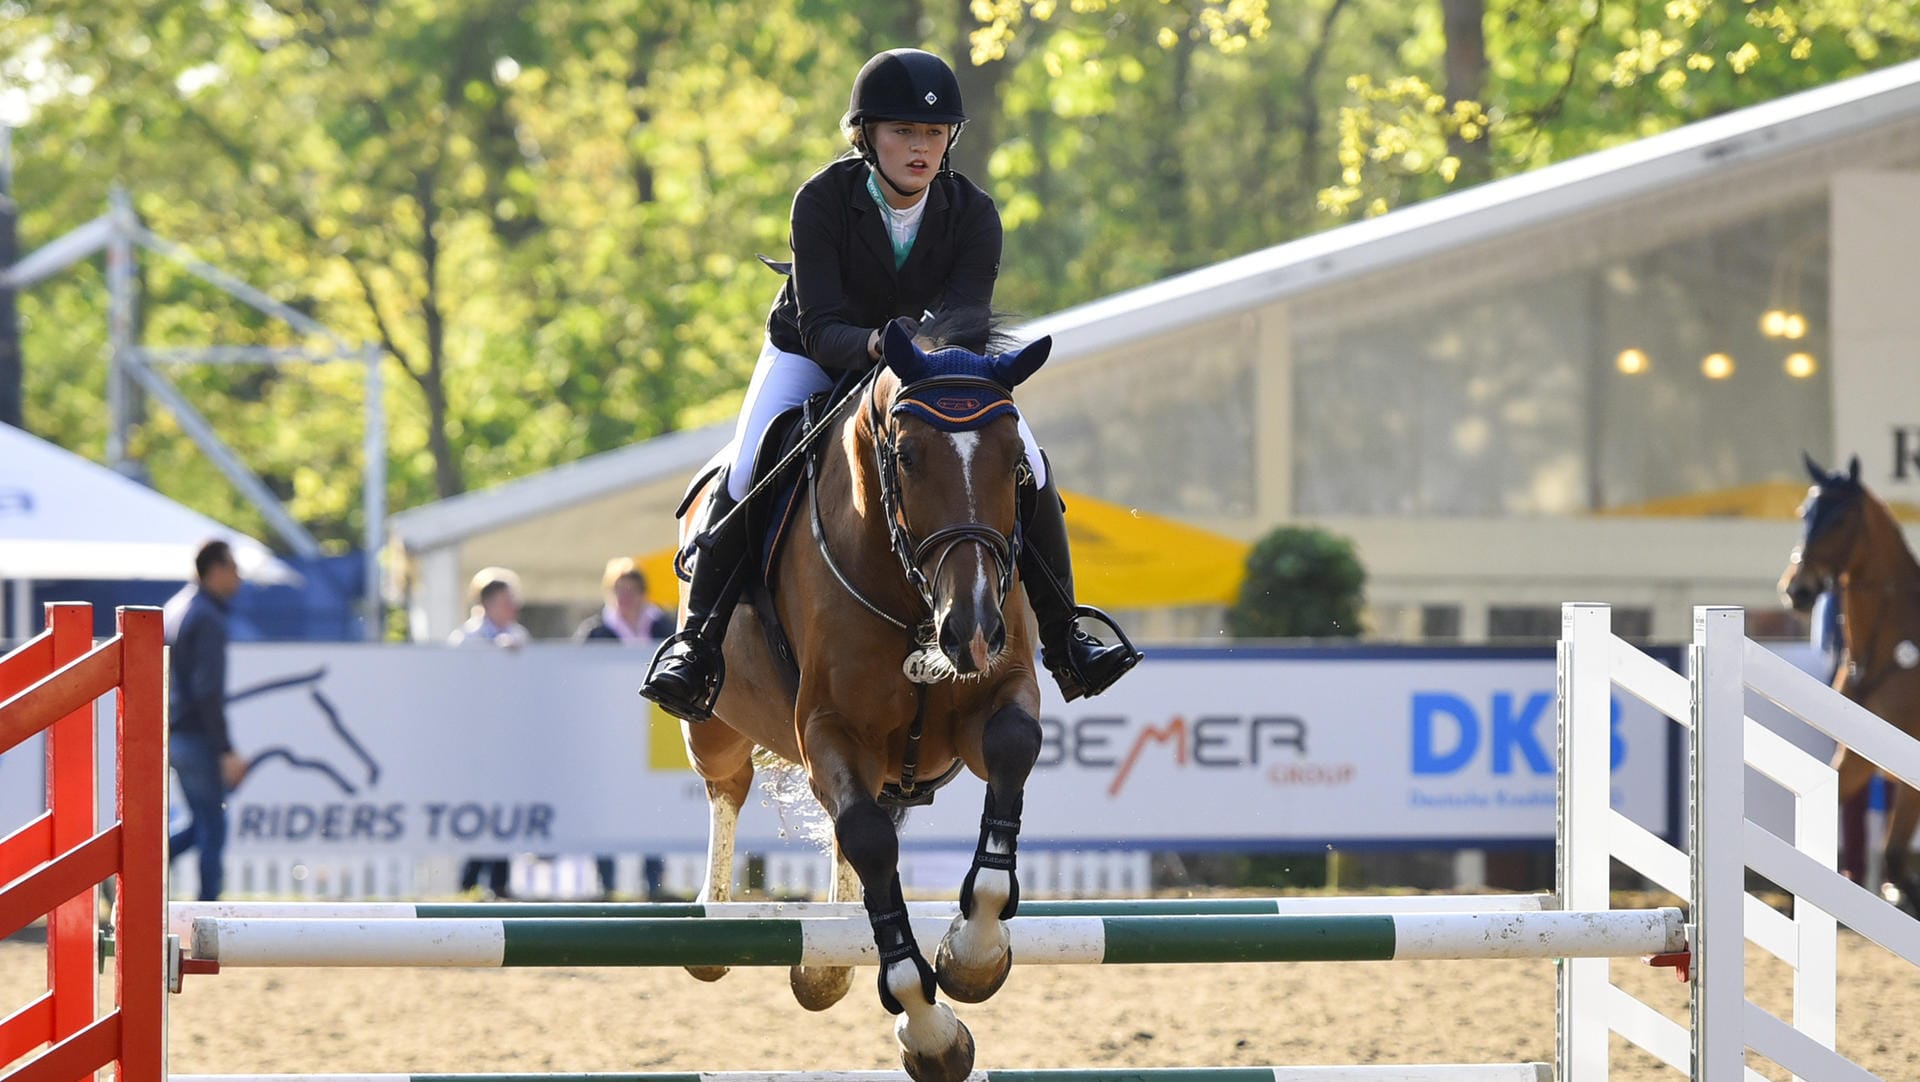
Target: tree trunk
x: 1310, y: 162
x: 1465, y: 27
x: 1169, y: 167
x: 898, y: 28
x: 12, y: 374
x: 980, y: 93
x: 447, y: 480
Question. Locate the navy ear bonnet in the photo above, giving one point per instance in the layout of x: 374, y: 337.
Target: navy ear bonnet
x: 955, y: 389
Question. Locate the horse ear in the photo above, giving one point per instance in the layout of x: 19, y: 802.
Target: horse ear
x: 1813, y: 468
x: 1853, y: 469
x: 1012, y: 369
x: 898, y: 352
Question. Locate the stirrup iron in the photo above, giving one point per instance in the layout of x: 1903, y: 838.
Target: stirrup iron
x: 692, y: 710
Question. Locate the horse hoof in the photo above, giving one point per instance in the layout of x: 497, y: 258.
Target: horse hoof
x: 966, y: 987
x: 945, y: 1045
x: 818, y: 987
x: 707, y: 973
x: 973, y: 983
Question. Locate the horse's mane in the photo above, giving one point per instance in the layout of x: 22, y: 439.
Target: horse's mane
x: 976, y: 328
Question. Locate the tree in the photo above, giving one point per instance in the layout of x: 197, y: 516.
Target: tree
x: 546, y: 216
x: 1301, y: 582
x: 1562, y: 78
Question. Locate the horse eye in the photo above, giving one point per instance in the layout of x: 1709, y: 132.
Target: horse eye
x: 906, y: 457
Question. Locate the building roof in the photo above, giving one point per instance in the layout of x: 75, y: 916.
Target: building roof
x: 1404, y: 236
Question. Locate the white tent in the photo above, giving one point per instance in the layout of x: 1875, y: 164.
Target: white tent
x: 63, y: 517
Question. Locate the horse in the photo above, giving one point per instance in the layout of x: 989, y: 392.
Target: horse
x: 886, y: 655
x: 1850, y: 541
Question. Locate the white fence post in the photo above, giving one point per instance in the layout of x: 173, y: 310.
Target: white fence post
x: 1716, y: 795
x: 1582, y: 870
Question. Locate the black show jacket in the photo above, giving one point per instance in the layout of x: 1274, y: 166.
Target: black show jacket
x: 843, y: 283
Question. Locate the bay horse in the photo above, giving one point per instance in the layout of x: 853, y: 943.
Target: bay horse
x: 911, y: 497
x: 1850, y: 541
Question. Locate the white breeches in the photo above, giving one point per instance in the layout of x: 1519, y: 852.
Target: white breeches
x: 782, y: 380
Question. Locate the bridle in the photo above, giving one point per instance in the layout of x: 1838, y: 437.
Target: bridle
x: 953, y: 403
x: 1867, y: 667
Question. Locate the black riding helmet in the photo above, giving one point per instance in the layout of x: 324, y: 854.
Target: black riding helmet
x: 904, y: 84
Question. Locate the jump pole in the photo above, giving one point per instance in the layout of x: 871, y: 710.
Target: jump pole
x: 1439, y: 1072
x: 526, y: 941
x: 181, y: 915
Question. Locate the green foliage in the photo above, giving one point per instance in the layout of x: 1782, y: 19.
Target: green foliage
x: 1566, y: 77
x: 1301, y: 582
x: 546, y: 214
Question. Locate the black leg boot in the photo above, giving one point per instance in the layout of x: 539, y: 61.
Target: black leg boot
x: 1082, y: 664
x: 689, y: 667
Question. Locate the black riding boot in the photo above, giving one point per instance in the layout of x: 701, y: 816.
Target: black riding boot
x: 689, y: 667
x: 1082, y: 664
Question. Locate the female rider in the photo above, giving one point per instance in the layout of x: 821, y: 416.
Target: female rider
x: 887, y: 231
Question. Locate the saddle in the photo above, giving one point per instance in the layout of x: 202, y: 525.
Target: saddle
x: 768, y: 510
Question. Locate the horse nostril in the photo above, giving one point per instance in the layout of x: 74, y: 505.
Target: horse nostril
x: 949, y: 639
x: 997, y: 638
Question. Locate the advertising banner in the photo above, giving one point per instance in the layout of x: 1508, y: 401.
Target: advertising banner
x: 547, y: 749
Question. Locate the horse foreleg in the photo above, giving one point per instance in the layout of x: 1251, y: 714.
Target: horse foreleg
x: 976, y: 954
x: 819, y: 987
x: 934, y: 1045
x: 1900, y: 888
x: 725, y: 798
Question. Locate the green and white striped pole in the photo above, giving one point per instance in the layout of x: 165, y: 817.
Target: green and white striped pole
x: 836, y: 941
x: 181, y: 915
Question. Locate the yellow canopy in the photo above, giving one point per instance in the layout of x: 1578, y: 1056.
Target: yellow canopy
x: 1122, y: 558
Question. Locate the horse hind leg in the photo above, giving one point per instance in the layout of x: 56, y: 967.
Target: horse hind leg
x: 976, y: 954
x: 725, y: 798
x: 818, y: 987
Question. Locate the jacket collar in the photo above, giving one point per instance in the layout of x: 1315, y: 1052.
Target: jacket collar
x: 873, y: 231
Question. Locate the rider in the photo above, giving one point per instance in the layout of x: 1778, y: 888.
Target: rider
x: 885, y: 231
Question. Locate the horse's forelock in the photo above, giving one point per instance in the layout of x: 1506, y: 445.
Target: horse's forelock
x: 977, y: 329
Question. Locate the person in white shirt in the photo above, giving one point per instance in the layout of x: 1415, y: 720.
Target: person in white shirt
x: 495, y: 618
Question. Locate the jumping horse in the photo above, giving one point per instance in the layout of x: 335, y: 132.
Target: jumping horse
x: 886, y: 655
x: 1850, y: 541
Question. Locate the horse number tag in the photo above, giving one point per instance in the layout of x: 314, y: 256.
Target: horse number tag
x: 925, y: 665
x: 1906, y: 655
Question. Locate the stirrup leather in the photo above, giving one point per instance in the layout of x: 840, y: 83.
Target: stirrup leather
x: 700, y: 653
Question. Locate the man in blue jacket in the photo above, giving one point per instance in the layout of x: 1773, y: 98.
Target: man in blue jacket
x: 197, y: 742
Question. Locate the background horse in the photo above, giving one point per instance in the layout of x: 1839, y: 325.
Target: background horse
x: 911, y: 496
x: 1850, y: 541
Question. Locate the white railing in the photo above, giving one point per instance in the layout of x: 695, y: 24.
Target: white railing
x: 372, y: 876
x: 1722, y: 845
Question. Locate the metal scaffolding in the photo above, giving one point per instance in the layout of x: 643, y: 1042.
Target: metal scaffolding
x: 132, y: 365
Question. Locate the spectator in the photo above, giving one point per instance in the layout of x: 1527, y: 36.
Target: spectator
x: 197, y: 743
x: 495, y: 617
x: 629, y: 616
x: 495, y: 622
